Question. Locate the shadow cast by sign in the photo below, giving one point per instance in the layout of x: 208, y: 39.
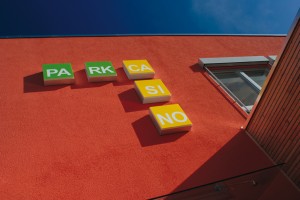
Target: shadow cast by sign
x: 35, y: 83
x: 81, y: 81
x: 148, y: 134
x: 122, y: 78
x: 131, y: 101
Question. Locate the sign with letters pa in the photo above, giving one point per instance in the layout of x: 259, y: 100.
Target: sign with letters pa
x: 55, y: 74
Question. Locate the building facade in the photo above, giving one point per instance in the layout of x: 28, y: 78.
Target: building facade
x: 97, y: 141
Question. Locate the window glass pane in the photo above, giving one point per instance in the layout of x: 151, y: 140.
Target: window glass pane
x: 258, y: 75
x: 238, y: 86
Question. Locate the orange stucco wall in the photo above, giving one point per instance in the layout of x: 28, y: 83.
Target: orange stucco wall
x: 96, y: 141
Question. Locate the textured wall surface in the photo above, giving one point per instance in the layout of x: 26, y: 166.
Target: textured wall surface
x: 97, y: 141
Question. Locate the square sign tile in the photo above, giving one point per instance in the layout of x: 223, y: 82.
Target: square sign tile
x: 138, y: 69
x: 151, y: 91
x: 170, y: 119
x: 100, y: 71
x: 55, y: 74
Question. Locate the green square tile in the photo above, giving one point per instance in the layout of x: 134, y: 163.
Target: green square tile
x: 58, y: 74
x: 100, y: 71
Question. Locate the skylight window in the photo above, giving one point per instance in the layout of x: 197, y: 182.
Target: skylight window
x: 241, y: 77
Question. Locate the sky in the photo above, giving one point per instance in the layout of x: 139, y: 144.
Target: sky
x: 29, y: 18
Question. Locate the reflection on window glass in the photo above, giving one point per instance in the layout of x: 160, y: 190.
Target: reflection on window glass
x: 259, y: 76
x: 238, y: 86
x: 245, y: 83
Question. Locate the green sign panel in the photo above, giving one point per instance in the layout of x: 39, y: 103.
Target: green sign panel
x: 55, y: 74
x: 57, y: 71
x: 100, y: 69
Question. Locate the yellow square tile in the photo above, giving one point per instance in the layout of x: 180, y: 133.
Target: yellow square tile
x: 170, y: 119
x: 151, y: 91
x: 138, y: 69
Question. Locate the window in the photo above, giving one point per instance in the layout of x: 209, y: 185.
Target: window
x: 242, y: 82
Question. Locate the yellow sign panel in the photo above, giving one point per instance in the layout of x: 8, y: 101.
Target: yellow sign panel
x: 138, y: 69
x: 152, y: 88
x: 170, y: 118
x: 138, y: 66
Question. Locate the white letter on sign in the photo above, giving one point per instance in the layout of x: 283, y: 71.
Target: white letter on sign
x: 63, y: 71
x: 104, y: 69
x: 152, y: 90
x: 130, y: 67
x: 94, y: 69
x: 145, y: 67
x: 51, y: 71
x: 179, y: 113
x: 168, y: 119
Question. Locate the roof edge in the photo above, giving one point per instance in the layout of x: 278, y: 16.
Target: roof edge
x: 133, y: 35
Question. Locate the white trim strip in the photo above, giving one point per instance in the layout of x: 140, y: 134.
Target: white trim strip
x: 272, y: 59
x: 251, y: 81
x: 232, y: 61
